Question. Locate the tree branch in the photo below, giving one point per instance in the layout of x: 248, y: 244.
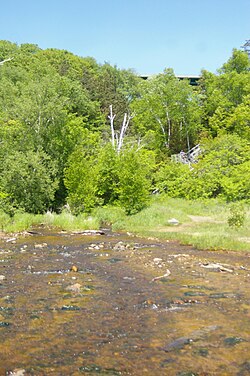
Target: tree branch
x: 4, y: 61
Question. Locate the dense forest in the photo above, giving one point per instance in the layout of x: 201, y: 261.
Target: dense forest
x: 80, y: 134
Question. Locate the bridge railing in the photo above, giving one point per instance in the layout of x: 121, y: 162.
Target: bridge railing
x: 187, y: 158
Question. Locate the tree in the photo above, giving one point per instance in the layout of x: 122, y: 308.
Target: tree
x: 135, y: 178
x: 223, y: 159
x: 169, y: 108
x: 225, y: 97
x: 81, y: 174
x: 28, y: 181
x: 238, y: 62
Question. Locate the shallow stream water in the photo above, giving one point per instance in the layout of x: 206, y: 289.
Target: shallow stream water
x: 77, y: 304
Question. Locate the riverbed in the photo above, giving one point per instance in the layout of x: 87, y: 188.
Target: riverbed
x: 115, y: 304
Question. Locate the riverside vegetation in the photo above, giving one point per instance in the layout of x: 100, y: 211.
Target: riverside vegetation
x: 93, y: 142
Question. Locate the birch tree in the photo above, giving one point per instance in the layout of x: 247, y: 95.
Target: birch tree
x: 168, y: 108
x: 117, y: 137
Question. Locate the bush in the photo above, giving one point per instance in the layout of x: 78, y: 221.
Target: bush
x: 28, y: 181
x: 170, y: 177
x: 222, y: 170
x: 237, y: 215
x: 135, y: 178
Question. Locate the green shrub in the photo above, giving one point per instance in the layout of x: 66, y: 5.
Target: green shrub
x: 170, y: 178
x: 237, y: 215
x: 135, y: 178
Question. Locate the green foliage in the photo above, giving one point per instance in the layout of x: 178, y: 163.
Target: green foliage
x: 224, y: 160
x: 169, y: 108
x: 225, y: 97
x: 135, y: 177
x: 237, y: 215
x: 238, y: 62
x: 55, y: 134
x: 81, y: 175
x: 108, y: 174
x: 28, y: 182
x: 170, y: 177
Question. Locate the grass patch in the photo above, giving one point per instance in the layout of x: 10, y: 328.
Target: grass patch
x: 64, y: 221
x: 203, y: 224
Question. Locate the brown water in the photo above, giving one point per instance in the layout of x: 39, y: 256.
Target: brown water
x: 111, y: 318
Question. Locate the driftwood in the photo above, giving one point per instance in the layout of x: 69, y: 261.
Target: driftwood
x: 216, y: 266
x: 89, y: 232
x: 162, y: 276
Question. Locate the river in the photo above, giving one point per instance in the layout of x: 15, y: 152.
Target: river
x: 114, y: 304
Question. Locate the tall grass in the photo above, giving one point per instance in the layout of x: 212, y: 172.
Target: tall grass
x: 203, y: 224
x: 64, y: 221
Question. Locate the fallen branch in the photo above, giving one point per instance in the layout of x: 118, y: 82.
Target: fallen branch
x: 162, y: 276
x: 217, y: 267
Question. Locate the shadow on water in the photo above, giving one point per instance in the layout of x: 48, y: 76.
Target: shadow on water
x: 73, y: 304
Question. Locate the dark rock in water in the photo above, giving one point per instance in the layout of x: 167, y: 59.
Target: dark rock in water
x: 201, y: 352
x: 33, y: 232
x: 178, y: 344
x: 88, y: 288
x: 244, y: 369
x: 167, y: 361
x: 232, y: 341
x: 90, y: 368
x: 223, y: 295
x: 114, y: 260
x: 194, y: 293
x: 4, y: 324
x: 70, y: 308
x: 7, y: 310
x: 218, y: 296
x: 93, y: 368
x: 196, y: 335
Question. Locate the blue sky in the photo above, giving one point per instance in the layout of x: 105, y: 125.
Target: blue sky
x: 145, y: 35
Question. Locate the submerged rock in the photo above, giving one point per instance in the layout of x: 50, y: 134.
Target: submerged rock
x: 93, y: 368
x: 178, y: 344
x: 232, y: 341
x: 74, y: 288
x: 201, y: 352
x: 114, y: 260
x: 70, y: 308
x: 4, y: 324
x: 196, y: 335
x: 194, y: 293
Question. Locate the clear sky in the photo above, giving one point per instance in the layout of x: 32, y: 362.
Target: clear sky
x: 145, y: 35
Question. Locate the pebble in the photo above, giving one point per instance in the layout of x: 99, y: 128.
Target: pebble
x: 42, y: 245
x: 17, y: 372
x: 2, y: 277
x: 74, y: 288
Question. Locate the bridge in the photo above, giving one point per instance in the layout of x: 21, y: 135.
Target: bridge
x: 187, y: 158
x: 193, y: 80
